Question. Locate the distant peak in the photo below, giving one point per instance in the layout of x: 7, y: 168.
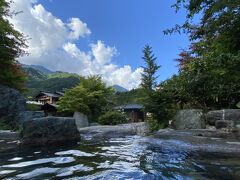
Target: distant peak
x: 119, y: 88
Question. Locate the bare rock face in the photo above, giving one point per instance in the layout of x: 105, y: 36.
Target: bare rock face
x: 189, y: 119
x: 81, y: 120
x: 11, y: 104
x: 224, y: 124
x: 26, y: 116
x: 106, y: 132
x: 225, y: 114
x: 50, y: 130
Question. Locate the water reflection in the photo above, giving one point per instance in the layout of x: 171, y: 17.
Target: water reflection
x: 119, y: 158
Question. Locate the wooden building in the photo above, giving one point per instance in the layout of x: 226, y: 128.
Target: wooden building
x: 47, y: 97
x: 134, y: 112
x: 48, y: 101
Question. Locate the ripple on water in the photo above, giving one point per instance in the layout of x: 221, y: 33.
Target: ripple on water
x: 119, y: 158
x: 37, y: 172
x: 75, y: 153
x: 71, y: 170
x: 16, y: 159
x: 57, y: 160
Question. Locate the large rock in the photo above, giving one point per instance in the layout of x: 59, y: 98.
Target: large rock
x: 81, y: 120
x: 25, y: 116
x: 224, y: 124
x: 189, y: 119
x: 106, y: 132
x: 198, y: 140
x: 9, y: 140
x: 225, y: 114
x: 50, y: 130
x: 11, y: 104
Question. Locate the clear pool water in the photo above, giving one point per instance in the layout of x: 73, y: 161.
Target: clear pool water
x: 132, y: 157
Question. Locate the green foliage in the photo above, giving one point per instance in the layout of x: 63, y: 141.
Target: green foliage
x: 149, y: 97
x: 38, y: 81
x: 218, y: 29
x: 90, y: 97
x: 154, y: 124
x: 62, y: 75
x: 4, y: 124
x: 112, y: 118
x: 33, y: 107
x: 149, y: 72
x: 130, y: 97
x: 12, y: 43
x: 209, y: 71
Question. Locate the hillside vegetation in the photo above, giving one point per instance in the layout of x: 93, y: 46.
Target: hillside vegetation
x: 39, y: 81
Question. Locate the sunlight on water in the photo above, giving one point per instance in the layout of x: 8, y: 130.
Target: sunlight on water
x: 118, y: 158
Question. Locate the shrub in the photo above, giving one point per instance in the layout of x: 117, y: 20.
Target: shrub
x: 154, y: 124
x: 112, y: 118
x: 4, y: 124
x: 33, y: 107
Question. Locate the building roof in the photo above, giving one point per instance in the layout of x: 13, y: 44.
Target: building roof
x: 56, y: 95
x: 49, y: 106
x: 130, y: 106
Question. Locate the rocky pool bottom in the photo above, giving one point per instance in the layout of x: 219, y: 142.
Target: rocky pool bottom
x: 130, y: 157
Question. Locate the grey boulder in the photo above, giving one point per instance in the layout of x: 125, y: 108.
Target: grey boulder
x: 26, y: 116
x: 189, y: 119
x: 49, y: 130
x: 224, y: 124
x: 81, y: 120
x: 11, y: 104
x: 225, y: 114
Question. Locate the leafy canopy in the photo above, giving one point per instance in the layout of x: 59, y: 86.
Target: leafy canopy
x: 90, y: 97
x: 209, y: 70
x: 12, y: 44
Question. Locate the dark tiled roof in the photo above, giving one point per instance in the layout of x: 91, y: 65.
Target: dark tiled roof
x: 56, y: 95
x: 130, y: 106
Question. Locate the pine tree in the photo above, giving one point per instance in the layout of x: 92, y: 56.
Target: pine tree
x: 148, y: 75
x: 150, y: 96
x: 12, y: 43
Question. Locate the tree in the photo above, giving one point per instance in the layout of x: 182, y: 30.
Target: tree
x: 90, y: 97
x: 148, y: 86
x: 149, y: 72
x: 112, y: 118
x: 208, y: 70
x: 218, y: 28
x: 12, y: 44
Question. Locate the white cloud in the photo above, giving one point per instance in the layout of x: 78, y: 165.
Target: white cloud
x: 79, y: 29
x: 103, y: 54
x: 52, y: 45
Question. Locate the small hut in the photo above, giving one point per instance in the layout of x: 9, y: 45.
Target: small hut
x: 48, y: 101
x: 134, y: 112
x: 47, y: 97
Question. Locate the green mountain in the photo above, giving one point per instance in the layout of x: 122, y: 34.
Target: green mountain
x: 118, y: 88
x: 55, y: 81
x: 34, y: 74
x: 38, y: 68
x: 42, y: 79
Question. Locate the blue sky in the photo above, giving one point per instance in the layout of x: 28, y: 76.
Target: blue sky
x: 121, y: 25
x: 129, y: 25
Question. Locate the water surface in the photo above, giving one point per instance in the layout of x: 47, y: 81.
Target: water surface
x: 132, y: 157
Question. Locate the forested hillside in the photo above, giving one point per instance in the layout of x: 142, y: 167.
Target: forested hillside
x: 38, y: 80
